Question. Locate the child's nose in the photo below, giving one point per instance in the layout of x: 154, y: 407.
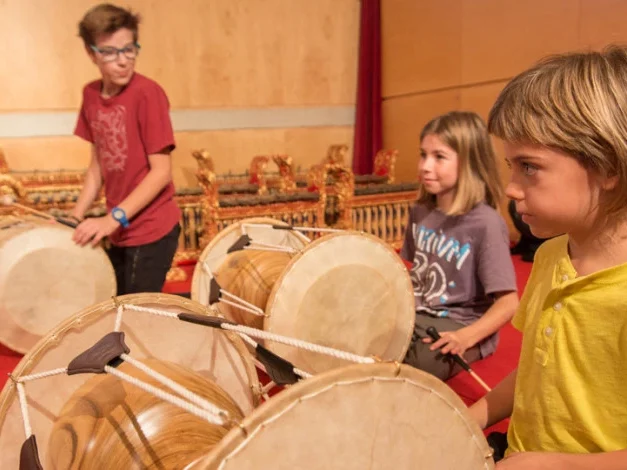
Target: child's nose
x: 426, y: 164
x: 514, y: 191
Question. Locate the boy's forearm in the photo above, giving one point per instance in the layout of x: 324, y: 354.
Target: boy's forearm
x: 145, y: 192
x: 561, y: 461
x: 600, y: 461
x: 497, y: 404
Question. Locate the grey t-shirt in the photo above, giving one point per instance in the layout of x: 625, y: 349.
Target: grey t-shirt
x: 457, y: 262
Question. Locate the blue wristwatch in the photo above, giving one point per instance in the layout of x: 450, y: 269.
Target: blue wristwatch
x: 118, y: 214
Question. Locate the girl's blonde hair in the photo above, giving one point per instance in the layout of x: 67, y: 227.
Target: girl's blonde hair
x: 575, y: 103
x: 478, y: 180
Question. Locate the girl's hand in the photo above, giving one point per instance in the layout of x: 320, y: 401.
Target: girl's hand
x: 453, y: 342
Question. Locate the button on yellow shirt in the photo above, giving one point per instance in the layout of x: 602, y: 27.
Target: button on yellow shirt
x: 571, y: 386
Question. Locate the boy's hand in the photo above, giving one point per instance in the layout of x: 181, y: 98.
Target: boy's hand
x: 94, y: 230
x: 531, y: 460
x: 454, y: 342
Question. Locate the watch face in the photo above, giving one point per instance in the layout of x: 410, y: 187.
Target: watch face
x: 117, y: 214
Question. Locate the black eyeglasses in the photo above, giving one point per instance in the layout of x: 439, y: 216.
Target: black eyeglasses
x: 109, y: 54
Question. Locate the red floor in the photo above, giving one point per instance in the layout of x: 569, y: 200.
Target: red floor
x: 492, y: 370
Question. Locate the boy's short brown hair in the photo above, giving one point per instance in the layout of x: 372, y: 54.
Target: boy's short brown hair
x: 575, y: 103
x: 106, y: 19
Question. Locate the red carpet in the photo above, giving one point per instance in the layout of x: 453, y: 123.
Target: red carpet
x: 492, y: 370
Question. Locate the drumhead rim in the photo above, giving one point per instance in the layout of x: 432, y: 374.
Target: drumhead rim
x: 238, y: 437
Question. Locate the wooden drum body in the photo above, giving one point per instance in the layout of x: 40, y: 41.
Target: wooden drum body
x: 379, y: 417
x: 45, y: 278
x: 99, y: 421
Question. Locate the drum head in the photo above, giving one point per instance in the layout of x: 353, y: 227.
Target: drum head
x: 45, y: 278
x: 348, y: 291
x: 215, y: 252
x: 379, y: 416
x: 215, y: 354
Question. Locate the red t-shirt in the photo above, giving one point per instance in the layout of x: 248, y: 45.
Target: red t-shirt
x: 126, y: 129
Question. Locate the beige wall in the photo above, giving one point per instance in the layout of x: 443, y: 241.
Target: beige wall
x: 458, y: 54
x: 213, y: 55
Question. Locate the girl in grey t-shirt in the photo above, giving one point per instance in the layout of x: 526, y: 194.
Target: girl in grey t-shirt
x: 458, y: 244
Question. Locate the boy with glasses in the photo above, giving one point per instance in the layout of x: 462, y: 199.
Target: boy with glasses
x: 125, y: 116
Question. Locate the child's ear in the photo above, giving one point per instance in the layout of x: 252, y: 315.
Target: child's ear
x: 91, y: 54
x: 609, y: 183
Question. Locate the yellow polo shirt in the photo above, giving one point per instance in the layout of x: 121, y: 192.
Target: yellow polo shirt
x: 571, y: 387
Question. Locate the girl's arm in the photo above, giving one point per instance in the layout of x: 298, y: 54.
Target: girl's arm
x: 500, y: 313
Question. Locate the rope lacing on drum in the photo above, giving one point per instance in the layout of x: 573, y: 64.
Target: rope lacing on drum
x: 297, y: 343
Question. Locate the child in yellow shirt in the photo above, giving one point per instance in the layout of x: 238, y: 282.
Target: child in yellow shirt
x: 564, y: 127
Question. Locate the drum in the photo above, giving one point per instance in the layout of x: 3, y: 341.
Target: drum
x: 44, y: 278
x: 346, y: 290
x: 86, y: 420
x: 246, y: 273
x: 380, y: 417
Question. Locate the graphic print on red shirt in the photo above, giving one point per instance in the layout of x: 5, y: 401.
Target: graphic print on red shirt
x: 109, y: 129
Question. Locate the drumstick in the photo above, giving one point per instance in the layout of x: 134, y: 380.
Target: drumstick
x: 9, y: 201
x: 433, y: 333
x: 306, y: 229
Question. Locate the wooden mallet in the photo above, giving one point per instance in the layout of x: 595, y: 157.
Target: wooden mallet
x: 7, y: 200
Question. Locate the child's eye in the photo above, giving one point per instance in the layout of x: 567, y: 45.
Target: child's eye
x: 439, y: 156
x: 423, y: 155
x: 529, y: 169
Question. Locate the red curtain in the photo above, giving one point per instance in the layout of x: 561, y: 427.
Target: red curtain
x: 368, y: 109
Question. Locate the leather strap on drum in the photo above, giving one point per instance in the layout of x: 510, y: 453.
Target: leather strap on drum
x: 280, y: 371
x: 240, y: 244
x: 214, y: 291
x: 101, y: 354
x: 205, y: 320
x: 29, y: 455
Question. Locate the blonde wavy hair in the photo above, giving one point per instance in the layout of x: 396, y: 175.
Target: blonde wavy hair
x: 478, y: 180
x: 575, y: 103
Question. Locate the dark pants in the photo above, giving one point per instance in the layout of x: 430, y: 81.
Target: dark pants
x: 433, y: 362
x: 143, y: 268
x: 498, y: 442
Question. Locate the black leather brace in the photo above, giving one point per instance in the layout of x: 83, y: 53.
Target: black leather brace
x: 280, y: 371
x: 94, y: 360
x: 205, y: 320
x: 29, y: 455
x: 239, y: 244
